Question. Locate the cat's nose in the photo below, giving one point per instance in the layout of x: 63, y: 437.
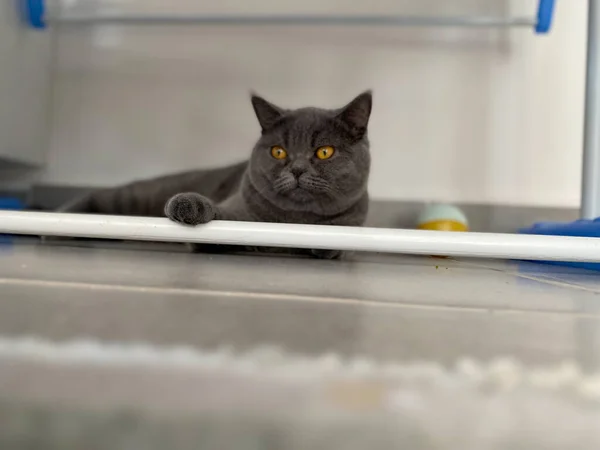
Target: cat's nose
x: 298, y: 168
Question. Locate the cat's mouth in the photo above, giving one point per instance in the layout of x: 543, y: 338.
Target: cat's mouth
x: 295, y: 191
x: 301, y: 189
x: 294, y: 188
x: 299, y: 193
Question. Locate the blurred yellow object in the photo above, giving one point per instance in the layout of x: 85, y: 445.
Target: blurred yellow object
x: 443, y: 225
x: 442, y: 218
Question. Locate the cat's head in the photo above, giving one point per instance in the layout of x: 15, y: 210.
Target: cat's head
x: 312, y: 159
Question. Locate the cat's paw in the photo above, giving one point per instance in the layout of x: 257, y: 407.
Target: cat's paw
x: 190, y: 209
x: 326, y: 254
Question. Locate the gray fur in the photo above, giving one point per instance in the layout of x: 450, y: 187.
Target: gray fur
x: 299, y: 189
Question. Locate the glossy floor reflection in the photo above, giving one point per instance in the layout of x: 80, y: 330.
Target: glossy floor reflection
x: 387, y: 307
x: 383, y: 308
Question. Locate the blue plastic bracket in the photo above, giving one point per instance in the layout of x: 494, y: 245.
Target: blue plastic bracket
x: 33, y: 12
x: 544, y: 16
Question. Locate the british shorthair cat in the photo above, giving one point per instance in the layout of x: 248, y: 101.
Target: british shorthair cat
x: 309, y: 166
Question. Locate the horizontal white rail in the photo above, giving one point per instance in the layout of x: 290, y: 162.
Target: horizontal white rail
x: 367, y: 20
x: 479, y: 245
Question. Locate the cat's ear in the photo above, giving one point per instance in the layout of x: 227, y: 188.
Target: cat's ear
x: 267, y: 113
x: 356, y: 114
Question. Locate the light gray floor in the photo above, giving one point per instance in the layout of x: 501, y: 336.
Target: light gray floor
x: 387, y: 307
x: 384, y: 308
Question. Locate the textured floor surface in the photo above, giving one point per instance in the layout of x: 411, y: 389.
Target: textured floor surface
x: 382, y: 321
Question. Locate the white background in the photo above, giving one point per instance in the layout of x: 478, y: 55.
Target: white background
x: 459, y: 115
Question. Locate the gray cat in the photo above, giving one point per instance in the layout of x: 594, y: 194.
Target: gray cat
x: 309, y: 166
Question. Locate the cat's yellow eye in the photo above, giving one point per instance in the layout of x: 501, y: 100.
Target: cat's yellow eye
x: 278, y: 152
x: 325, y: 152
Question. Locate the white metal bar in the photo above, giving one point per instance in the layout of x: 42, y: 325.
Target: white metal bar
x: 590, y: 190
x: 388, y: 20
x: 483, y: 245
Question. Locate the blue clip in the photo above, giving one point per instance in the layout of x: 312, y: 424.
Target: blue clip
x: 14, y: 204
x: 33, y: 12
x: 544, y: 16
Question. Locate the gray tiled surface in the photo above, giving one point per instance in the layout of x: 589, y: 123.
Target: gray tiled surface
x: 364, y: 278
x: 385, y: 308
x: 389, y: 307
x: 382, y: 332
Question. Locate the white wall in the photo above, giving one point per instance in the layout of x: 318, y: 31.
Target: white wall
x: 25, y: 69
x: 459, y: 115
